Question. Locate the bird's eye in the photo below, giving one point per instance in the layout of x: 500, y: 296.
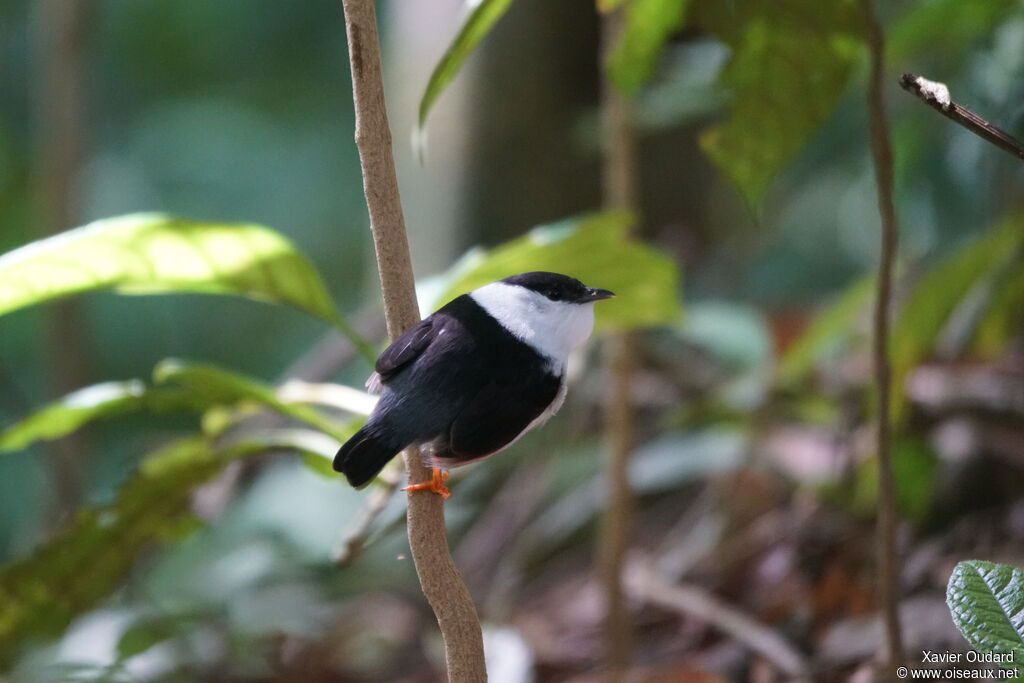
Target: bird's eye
x: 554, y: 295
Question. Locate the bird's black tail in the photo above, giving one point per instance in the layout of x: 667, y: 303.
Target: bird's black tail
x: 364, y: 455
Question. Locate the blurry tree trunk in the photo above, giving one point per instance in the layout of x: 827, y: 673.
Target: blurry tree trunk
x: 59, y: 78
x: 434, y: 186
x: 440, y: 580
x: 619, y: 189
x: 531, y: 162
x: 881, y: 148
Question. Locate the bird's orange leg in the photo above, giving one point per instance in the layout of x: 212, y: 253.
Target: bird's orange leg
x: 436, y: 484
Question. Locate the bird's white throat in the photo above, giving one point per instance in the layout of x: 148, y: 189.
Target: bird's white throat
x: 552, y: 328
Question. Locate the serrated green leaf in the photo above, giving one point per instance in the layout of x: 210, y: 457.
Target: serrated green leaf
x: 80, y: 566
x: 222, y: 386
x: 937, y: 294
x: 478, y: 24
x: 594, y: 249
x: 791, y: 62
x: 987, y: 603
x: 827, y: 331
x: 97, y: 402
x: 151, y: 253
x: 648, y: 26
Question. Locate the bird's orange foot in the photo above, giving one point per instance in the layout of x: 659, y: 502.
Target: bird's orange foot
x: 436, y: 484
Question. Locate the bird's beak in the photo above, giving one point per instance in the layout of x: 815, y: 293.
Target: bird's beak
x: 595, y: 294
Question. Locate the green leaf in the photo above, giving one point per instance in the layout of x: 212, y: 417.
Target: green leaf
x: 151, y: 253
x: 1002, y: 321
x: 147, y: 632
x: 74, y: 570
x: 80, y: 566
x: 220, y: 386
x: 649, y: 25
x: 318, y: 450
x: 791, y: 62
x: 594, y: 249
x: 944, y: 27
x: 97, y: 402
x: 987, y: 603
x: 915, y: 467
x: 199, y: 388
x: 829, y: 330
x: 478, y: 24
x: 938, y: 293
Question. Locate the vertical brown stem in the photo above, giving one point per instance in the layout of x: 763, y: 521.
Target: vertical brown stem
x: 60, y: 48
x: 619, y: 188
x: 881, y: 148
x: 441, y: 582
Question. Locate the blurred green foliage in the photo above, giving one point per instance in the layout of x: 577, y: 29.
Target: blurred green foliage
x: 955, y: 26
x: 594, y: 249
x: 648, y: 26
x: 830, y: 331
x: 955, y: 292
x: 223, y: 387
x: 480, y: 20
x: 107, y: 540
x: 158, y: 254
x: 790, y: 65
x: 100, y: 401
x: 914, y: 468
x: 81, y: 565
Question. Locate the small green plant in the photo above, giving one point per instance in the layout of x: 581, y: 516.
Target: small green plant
x: 987, y: 603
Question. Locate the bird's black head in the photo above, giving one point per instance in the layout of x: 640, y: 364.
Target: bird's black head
x: 558, y: 287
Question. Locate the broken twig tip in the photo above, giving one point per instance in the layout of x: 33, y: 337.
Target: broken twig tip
x: 930, y: 91
x: 936, y: 95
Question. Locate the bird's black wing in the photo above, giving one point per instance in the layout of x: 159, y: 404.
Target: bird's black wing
x: 406, y: 348
x: 498, y: 414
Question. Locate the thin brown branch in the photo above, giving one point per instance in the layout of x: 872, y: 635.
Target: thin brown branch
x: 620, y: 174
x: 442, y: 585
x: 619, y: 182
x: 936, y: 95
x: 881, y: 148
x: 645, y: 584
